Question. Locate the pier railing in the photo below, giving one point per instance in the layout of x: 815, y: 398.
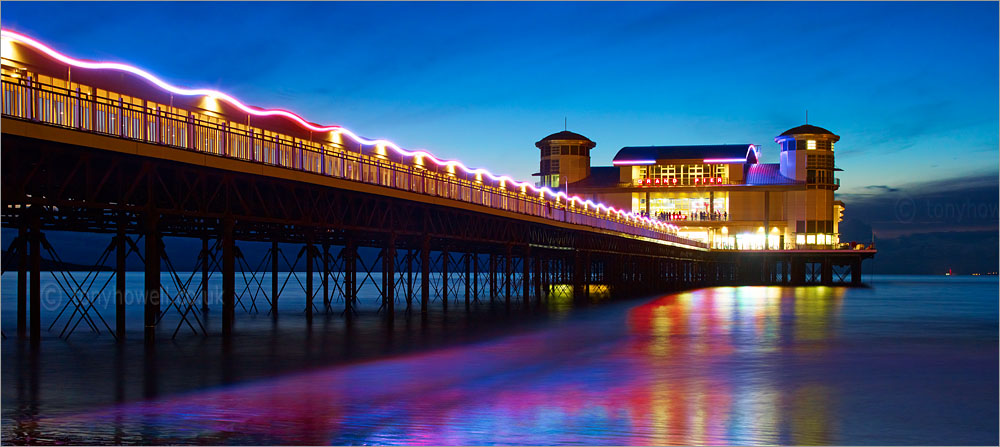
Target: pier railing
x: 28, y: 99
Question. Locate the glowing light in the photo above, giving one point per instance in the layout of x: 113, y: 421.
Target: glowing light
x: 724, y: 160
x: 7, y: 50
x: 633, y: 162
x: 336, y: 132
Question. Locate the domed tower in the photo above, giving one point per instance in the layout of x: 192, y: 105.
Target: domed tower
x: 565, y: 158
x: 807, y: 156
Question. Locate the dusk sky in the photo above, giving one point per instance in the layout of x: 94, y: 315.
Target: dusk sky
x: 911, y: 88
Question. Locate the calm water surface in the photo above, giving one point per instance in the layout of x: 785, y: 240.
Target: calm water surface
x: 912, y: 360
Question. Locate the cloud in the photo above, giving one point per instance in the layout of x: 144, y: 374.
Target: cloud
x: 955, y: 204
x: 881, y: 188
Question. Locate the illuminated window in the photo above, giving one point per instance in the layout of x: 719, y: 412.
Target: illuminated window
x: 831, y: 146
x: 800, y: 239
x: 811, y: 239
x: 811, y: 145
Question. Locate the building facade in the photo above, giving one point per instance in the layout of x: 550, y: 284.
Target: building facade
x: 719, y: 194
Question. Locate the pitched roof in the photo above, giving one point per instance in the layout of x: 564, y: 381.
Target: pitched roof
x: 718, y: 151
x: 767, y: 174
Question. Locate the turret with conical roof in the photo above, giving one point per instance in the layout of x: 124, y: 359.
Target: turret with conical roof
x: 565, y: 158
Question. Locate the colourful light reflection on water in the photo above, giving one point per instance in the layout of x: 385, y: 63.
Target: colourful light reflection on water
x: 745, y: 365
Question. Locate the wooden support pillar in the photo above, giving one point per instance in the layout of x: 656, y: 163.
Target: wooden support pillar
x: 390, y: 291
x: 409, y: 278
x: 228, y: 277
x: 468, y: 279
x: 309, y: 278
x: 204, y: 272
x: 526, y: 277
x: 445, y: 258
x: 22, y: 278
x: 648, y: 206
x: 120, y: 252
x: 546, y: 278
x: 826, y: 274
x: 326, y: 274
x: 350, y: 255
x: 577, y: 276
x: 475, y: 276
x: 586, y: 275
x: 274, y: 278
x: 537, y: 260
x: 425, y: 274
x: 35, y: 272
x: 798, y: 274
x: 152, y: 277
x: 507, y: 275
x: 493, y: 276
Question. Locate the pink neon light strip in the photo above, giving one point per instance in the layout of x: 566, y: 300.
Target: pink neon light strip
x: 25, y: 40
x: 724, y: 160
x: 633, y: 162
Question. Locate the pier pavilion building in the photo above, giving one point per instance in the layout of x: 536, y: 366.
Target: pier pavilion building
x: 719, y: 194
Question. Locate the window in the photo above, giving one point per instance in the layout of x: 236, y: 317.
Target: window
x: 810, y: 239
x: 811, y: 176
x: 565, y: 150
x: 831, y: 146
x: 800, y: 239
x: 555, y: 166
x: 811, y: 145
x: 546, y: 167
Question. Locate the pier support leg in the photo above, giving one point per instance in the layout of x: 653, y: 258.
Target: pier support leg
x: 22, y: 279
x: 326, y: 275
x: 526, y: 277
x: 468, y: 279
x: 36, y: 277
x: 475, y: 276
x: 204, y: 272
x: 152, y: 277
x: 507, y: 275
x: 856, y: 271
x: 274, y: 278
x: 537, y: 279
x: 798, y: 276
x: 409, y: 279
x: 425, y: 274
x: 309, y: 279
x: 120, y: 252
x: 445, y: 260
x: 228, y: 277
x: 350, y: 275
x: 390, y: 291
x: 493, y: 277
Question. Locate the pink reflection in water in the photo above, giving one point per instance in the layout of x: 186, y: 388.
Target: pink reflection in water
x: 689, y: 368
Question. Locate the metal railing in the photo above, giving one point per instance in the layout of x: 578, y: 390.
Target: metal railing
x: 27, y: 99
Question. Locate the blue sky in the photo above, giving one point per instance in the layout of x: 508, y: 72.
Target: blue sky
x: 910, y: 87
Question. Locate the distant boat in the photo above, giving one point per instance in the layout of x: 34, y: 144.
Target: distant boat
x: 949, y: 273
